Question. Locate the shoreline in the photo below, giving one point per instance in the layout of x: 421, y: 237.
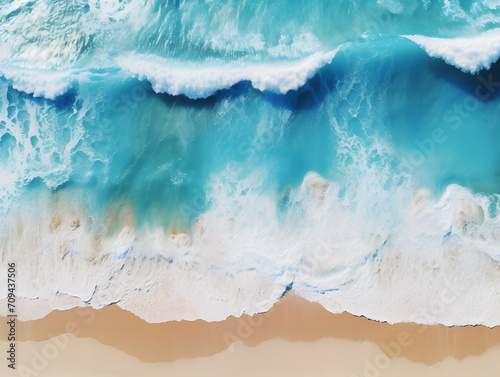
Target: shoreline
x: 292, y: 319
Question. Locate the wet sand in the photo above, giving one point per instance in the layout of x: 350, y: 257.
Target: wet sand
x: 293, y: 319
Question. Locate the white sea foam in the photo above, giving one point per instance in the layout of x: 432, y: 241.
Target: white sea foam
x: 40, y: 83
x: 240, y: 258
x: 470, y: 54
x: 196, y: 80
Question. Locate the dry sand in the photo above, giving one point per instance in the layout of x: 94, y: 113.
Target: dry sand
x: 328, y: 357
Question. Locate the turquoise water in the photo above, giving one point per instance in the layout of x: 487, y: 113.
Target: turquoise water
x: 122, y: 141
x: 181, y: 113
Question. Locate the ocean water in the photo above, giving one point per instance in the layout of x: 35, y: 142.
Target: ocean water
x: 199, y: 159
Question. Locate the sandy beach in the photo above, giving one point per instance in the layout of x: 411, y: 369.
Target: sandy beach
x: 322, y: 358
x: 294, y: 325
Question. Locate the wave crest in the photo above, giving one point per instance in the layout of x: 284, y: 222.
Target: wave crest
x: 470, y: 54
x: 47, y: 84
x: 201, y: 81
